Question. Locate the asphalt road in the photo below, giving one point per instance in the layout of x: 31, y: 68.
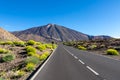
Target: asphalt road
x: 68, y: 63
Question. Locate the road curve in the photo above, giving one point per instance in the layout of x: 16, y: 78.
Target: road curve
x: 68, y: 63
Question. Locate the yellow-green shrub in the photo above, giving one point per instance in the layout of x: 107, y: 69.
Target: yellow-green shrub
x: 19, y: 43
x: 20, y: 73
x: 30, y: 49
x: 31, y: 42
x: 54, y: 46
x: 3, y: 50
x: 30, y: 66
x: 31, y: 53
x: 82, y: 47
x: 42, y: 57
x: 46, y: 53
x: 41, y: 47
x: 112, y: 52
x: 8, y: 43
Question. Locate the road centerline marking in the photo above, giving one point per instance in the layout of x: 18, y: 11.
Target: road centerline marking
x: 92, y: 70
x: 75, y: 57
x: 81, y: 61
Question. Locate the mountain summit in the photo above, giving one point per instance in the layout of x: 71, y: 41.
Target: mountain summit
x: 51, y: 32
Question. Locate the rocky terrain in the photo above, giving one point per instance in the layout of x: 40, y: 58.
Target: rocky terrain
x: 6, y: 36
x: 98, y: 46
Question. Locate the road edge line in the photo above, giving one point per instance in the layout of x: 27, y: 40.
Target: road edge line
x: 33, y: 77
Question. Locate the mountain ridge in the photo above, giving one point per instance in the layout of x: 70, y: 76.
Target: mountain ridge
x: 6, y: 36
x: 53, y: 32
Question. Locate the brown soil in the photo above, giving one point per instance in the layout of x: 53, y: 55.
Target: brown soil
x: 7, y: 68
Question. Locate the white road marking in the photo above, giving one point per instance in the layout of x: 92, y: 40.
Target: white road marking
x: 81, y: 61
x: 69, y: 52
x: 42, y: 66
x: 75, y: 57
x: 92, y: 70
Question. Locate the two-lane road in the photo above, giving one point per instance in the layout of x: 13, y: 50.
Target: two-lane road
x: 68, y: 63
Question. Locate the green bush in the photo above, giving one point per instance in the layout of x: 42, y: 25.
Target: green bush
x: 3, y: 50
x: 8, y: 58
x: 38, y: 43
x: 2, y: 78
x: 112, y: 52
x: 48, y: 46
x: 30, y: 66
x: 20, y: 73
x: 2, y: 43
x: 30, y: 49
x: 54, y: 46
x: 31, y: 53
x: 43, y: 57
x: 32, y: 59
x: 46, y: 53
x: 31, y: 42
x: 19, y: 43
x: 8, y: 43
x: 41, y: 47
x: 81, y: 47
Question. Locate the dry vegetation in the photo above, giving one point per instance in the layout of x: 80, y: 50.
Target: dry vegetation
x: 18, y: 59
x: 107, y: 47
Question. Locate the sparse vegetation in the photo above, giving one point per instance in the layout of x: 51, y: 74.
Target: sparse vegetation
x: 3, y: 51
x: 30, y: 49
x: 31, y: 42
x: 112, y: 52
x: 30, y: 66
x: 19, y: 73
x: 2, y: 78
x: 19, y: 43
x: 21, y: 58
x: 81, y: 47
x: 32, y: 59
x: 8, y: 57
x: 43, y: 57
x: 41, y: 47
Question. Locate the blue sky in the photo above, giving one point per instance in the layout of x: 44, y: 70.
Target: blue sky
x: 93, y: 17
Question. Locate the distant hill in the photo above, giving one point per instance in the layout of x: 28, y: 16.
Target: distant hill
x: 52, y: 32
x: 5, y: 36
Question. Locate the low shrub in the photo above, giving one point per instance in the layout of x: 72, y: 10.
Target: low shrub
x: 82, y: 47
x: 30, y: 49
x: 30, y: 66
x: 31, y: 42
x: 31, y: 53
x: 48, y: 46
x: 2, y: 78
x: 19, y: 73
x: 43, y: 57
x: 8, y: 43
x: 54, y: 46
x: 8, y: 58
x: 41, y: 47
x: 32, y: 59
x: 46, y: 53
x: 112, y: 52
x: 19, y: 43
x: 3, y: 50
x: 38, y: 43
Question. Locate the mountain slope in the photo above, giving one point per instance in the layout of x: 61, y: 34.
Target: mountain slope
x: 51, y: 32
x: 5, y: 36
